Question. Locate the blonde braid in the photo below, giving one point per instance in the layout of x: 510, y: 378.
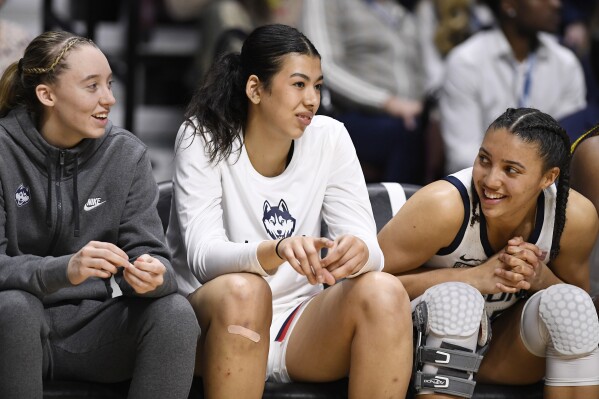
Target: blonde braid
x: 67, y: 47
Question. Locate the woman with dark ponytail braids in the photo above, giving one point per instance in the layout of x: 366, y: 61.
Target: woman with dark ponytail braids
x: 256, y: 172
x: 509, y: 228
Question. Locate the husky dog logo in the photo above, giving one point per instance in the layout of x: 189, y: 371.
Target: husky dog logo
x: 22, y: 195
x: 277, y: 220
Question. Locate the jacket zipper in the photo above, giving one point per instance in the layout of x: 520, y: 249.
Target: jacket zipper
x: 58, y: 229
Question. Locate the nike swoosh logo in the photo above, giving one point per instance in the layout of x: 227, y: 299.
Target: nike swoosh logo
x: 90, y: 207
x: 463, y: 257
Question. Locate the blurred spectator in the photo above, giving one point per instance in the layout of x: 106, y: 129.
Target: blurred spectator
x: 576, y: 15
x: 442, y: 25
x: 224, y: 24
x: 513, y: 65
x: 585, y: 42
x: 185, y: 9
x: 373, y: 69
x: 13, y: 40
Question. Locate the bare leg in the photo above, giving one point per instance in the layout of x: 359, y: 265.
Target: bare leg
x: 359, y: 328
x: 233, y: 365
x: 508, y: 361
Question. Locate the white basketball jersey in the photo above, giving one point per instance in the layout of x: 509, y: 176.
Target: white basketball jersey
x: 471, y: 246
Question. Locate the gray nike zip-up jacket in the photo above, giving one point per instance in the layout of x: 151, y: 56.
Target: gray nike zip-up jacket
x: 53, y: 202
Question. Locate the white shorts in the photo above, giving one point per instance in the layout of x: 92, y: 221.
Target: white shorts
x: 280, y: 330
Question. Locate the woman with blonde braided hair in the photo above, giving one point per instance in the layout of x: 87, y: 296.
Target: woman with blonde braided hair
x: 87, y: 291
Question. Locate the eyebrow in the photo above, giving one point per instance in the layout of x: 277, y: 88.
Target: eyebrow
x: 505, y: 160
x: 93, y: 76
x: 304, y: 76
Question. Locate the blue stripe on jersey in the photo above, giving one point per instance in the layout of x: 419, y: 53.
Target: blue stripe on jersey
x: 466, y: 201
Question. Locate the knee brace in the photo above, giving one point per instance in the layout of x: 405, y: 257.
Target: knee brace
x: 560, y: 323
x: 447, y: 321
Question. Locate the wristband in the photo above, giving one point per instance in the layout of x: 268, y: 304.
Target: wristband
x: 277, y: 247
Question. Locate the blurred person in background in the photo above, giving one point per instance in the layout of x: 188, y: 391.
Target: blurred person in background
x: 224, y: 24
x: 517, y: 64
x: 375, y: 77
x: 580, y: 32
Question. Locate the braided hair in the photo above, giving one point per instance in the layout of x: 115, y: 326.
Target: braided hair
x: 534, y: 126
x: 42, y: 63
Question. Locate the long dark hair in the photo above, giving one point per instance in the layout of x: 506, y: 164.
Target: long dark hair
x: 534, y: 126
x: 42, y: 63
x: 219, y: 106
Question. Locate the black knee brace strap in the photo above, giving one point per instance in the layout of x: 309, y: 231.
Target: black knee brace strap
x: 455, y: 363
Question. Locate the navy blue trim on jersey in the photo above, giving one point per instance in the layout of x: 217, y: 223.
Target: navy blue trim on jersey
x: 540, y: 217
x: 466, y: 201
x: 484, y: 239
x: 534, y: 235
x: 285, y: 327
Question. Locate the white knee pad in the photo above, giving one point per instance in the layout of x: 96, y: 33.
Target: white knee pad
x: 560, y: 323
x: 454, y: 313
x: 445, y: 357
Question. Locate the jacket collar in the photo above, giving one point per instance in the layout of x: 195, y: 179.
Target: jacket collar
x: 20, y: 126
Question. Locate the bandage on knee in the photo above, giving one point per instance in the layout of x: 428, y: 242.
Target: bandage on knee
x: 244, y: 332
x: 560, y: 323
x: 447, y: 321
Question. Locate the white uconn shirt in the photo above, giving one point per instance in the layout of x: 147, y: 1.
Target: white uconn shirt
x: 220, y: 213
x: 471, y: 246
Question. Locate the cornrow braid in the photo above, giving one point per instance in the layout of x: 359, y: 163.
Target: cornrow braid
x: 563, y: 191
x: 67, y: 47
x: 534, y: 126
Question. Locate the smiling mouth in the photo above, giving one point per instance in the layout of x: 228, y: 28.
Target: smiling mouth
x: 305, y: 117
x: 101, y: 116
x: 493, y: 196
